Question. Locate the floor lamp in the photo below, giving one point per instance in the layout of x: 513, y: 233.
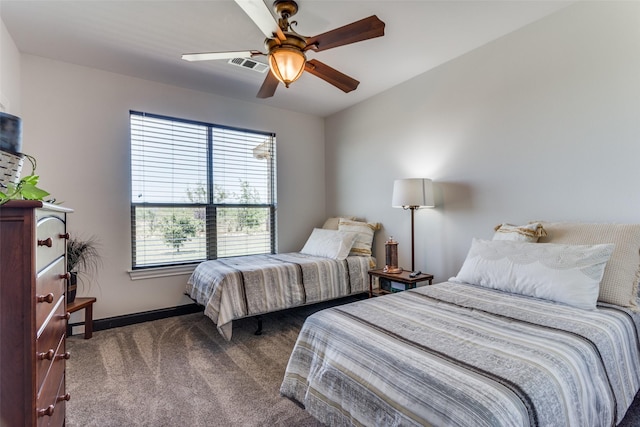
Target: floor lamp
x: 412, y: 194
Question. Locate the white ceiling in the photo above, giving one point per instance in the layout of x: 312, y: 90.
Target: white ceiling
x: 145, y: 39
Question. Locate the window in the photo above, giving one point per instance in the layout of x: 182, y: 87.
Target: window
x: 199, y: 191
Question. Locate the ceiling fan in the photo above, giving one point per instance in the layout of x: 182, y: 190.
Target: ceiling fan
x: 286, y: 48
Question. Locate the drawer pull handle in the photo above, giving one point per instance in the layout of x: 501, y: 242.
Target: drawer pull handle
x: 48, y: 355
x: 66, y: 316
x: 46, y: 298
x: 66, y: 397
x: 66, y: 355
x: 64, y: 236
x: 48, y: 411
x: 66, y: 275
x: 46, y: 242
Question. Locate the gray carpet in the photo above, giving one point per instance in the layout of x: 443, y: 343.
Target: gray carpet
x: 180, y: 372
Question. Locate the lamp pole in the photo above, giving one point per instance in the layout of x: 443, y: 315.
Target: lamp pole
x: 413, y: 268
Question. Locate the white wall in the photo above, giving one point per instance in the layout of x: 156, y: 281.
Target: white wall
x: 75, y: 121
x: 9, y: 73
x: 542, y: 124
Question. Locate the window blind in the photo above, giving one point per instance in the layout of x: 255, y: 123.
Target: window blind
x: 199, y: 191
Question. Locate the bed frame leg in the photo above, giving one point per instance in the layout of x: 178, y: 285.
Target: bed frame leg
x: 259, y: 330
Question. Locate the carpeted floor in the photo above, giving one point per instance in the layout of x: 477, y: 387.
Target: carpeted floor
x: 181, y: 372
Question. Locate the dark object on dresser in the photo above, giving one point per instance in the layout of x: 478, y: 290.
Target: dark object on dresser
x: 10, y: 133
x: 33, y: 314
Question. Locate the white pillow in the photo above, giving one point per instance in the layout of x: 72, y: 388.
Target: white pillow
x: 521, y: 233
x: 364, y: 231
x: 569, y: 274
x: 329, y: 243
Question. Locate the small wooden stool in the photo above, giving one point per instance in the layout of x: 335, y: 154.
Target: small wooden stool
x: 79, y: 304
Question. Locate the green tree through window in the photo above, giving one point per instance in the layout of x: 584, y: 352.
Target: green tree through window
x: 179, y: 228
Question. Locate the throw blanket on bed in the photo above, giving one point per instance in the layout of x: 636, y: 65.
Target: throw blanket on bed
x: 232, y: 288
x: 461, y: 355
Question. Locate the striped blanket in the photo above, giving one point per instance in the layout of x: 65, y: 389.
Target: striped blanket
x: 232, y: 288
x: 461, y: 355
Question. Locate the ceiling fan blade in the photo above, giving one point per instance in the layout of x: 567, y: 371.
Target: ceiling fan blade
x: 208, y: 56
x: 269, y: 86
x: 262, y: 17
x: 331, y: 75
x: 364, y: 29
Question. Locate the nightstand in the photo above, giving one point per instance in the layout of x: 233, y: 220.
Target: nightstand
x: 403, y: 278
x: 85, y: 304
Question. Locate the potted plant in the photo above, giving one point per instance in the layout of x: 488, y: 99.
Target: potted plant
x: 14, y: 188
x: 84, y: 260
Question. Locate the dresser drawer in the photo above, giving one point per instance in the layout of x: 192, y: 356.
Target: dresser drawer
x: 50, y: 284
x: 50, y: 400
x: 57, y: 419
x: 50, y: 233
x: 50, y: 343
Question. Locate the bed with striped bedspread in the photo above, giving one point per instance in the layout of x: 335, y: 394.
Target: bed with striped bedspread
x: 237, y: 287
x: 461, y: 355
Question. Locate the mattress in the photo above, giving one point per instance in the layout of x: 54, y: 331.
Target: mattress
x: 455, y: 354
x: 237, y: 287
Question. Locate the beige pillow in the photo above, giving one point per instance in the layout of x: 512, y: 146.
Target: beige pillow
x: 619, y: 284
x: 332, y: 223
x: 365, y: 232
x: 520, y: 233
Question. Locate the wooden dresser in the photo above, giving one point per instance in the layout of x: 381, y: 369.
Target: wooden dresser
x: 33, y: 315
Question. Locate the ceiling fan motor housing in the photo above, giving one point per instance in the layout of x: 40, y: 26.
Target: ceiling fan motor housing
x: 293, y: 41
x: 285, y: 8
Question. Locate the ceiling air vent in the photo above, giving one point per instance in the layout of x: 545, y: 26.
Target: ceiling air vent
x: 250, y: 64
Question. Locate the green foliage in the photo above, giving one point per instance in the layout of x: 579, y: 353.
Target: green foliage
x: 197, y: 195
x: 152, y: 219
x: 225, y: 217
x: 26, y: 188
x: 179, y: 228
x: 219, y: 194
x: 238, y: 219
x: 249, y: 218
x: 83, y: 257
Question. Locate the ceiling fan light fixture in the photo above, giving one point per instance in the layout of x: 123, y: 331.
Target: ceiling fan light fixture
x: 287, y: 63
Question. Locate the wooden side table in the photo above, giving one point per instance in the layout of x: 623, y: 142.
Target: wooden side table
x: 87, y: 305
x: 402, y: 277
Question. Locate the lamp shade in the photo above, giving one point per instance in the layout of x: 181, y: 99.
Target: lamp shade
x: 413, y: 192
x: 287, y: 63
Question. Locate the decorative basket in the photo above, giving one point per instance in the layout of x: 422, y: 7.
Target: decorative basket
x: 10, y: 168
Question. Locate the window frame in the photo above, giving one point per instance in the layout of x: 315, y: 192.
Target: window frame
x: 210, y: 207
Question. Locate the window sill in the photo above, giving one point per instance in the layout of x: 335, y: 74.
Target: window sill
x: 154, y: 273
